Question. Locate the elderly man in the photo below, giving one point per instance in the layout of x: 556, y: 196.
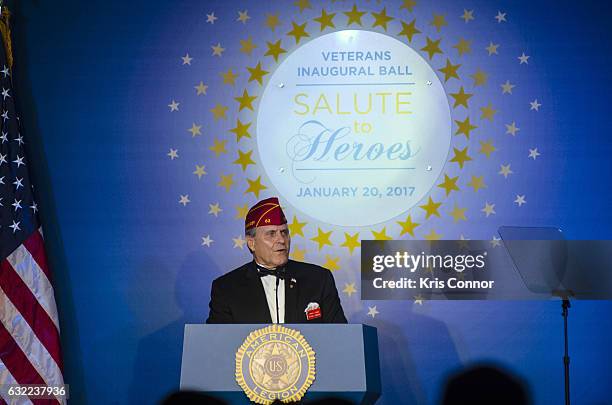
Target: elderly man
x: 272, y: 288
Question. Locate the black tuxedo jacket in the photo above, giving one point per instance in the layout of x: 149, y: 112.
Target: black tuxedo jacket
x: 239, y: 296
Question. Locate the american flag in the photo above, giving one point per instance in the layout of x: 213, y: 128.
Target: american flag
x: 29, y: 327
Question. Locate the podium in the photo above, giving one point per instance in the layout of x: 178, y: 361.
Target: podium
x: 347, y: 364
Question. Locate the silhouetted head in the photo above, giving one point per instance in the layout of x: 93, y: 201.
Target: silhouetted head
x: 484, y: 385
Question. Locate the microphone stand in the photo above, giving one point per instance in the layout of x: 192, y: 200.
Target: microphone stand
x: 566, y: 359
x: 565, y: 305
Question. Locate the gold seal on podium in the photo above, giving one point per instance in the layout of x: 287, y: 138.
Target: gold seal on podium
x: 275, y: 362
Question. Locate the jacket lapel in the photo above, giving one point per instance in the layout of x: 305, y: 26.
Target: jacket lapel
x: 291, y: 293
x: 255, y: 296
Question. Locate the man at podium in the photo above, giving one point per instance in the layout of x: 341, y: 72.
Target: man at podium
x: 271, y: 288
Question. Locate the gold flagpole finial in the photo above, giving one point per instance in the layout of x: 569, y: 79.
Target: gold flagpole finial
x: 5, y: 29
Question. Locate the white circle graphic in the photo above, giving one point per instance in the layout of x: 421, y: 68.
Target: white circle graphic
x: 353, y: 128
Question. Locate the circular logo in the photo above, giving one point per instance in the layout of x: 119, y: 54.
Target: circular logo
x: 353, y: 122
x: 275, y: 363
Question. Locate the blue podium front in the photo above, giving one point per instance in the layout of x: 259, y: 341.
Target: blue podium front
x: 347, y: 364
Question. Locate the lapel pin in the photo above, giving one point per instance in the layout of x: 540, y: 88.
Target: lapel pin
x: 313, y: 311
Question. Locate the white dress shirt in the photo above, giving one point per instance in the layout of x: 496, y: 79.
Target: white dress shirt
x: 269, y: 285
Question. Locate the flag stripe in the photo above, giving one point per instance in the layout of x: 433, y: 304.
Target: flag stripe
x: 36, y: 246
x: 16, y: 361
x: 27, y: 269
x: 30, y: 309
x: 24, y: 336
x: 32, y: 355
x: 6, y: 378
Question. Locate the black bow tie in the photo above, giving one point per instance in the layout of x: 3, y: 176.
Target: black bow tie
x: 280, y: 272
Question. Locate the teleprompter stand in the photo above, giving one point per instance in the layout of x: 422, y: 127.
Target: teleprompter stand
x: 540, y: 256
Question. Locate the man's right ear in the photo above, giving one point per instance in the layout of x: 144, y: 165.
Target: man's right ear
x: 250, y: 242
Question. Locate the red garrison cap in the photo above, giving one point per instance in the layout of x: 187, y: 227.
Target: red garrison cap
x: 265, y: 212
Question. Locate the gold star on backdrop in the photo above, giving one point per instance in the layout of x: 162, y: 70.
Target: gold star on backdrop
x: 219, y: 111
x: 255, y: 187
x: 489, y: 209
x: 247, y: 45
x: 331, y: 263
x: 201, y: 89
x: 431, y: 208
x: 354, y: 16
x: 492, y: 48
x: 433, y: 235
x: 480, y: 78
x: 458, y: 213
x: 199, y: 171
x: 296, y: 227
x: 274, y: 50
x: 241, y: 211
x: 477, y: 183
x: 298, y: 254
x: 349, y: 289
x: 505, y: 170
x: 195, y: 130
x: 243, y: 16
x: 241, y: 130
x: 381, y: 235
x: 322, y: 238
x: 244, y: 159
x: 226, y: 182
x: 409, y: 30
x: 449, y: 184
x: 302, y: 4
x: 432, y: 47
x: 439, y: 21
x: 464, y: 127
x: 326, y: 20
x: 239, y: 242
x: 257, y: 73
x: 218, y: 147
x: 214, y: 209
x: 407, y: 226
x: 351, y: 241
x: 512, y: 129
x: 272, y: 21
x: 463, y: 46
x: 486, y: 148
x: 487, y: 112
x: 461, y: 98
x: 450, y: 70
x: 381, y: 19
x: 298, y: 32
x: 217, y: 49
x: 467, y: 15
x: 507, y: 87
x: 408, y: 5
x: 229, y: 77
x: 461, y: 156
x: 245, y: 101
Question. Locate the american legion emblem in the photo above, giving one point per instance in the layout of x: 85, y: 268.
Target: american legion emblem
x: 275, y: 362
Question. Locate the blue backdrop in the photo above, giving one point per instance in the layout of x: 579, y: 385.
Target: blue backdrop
x: 93, y: 81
